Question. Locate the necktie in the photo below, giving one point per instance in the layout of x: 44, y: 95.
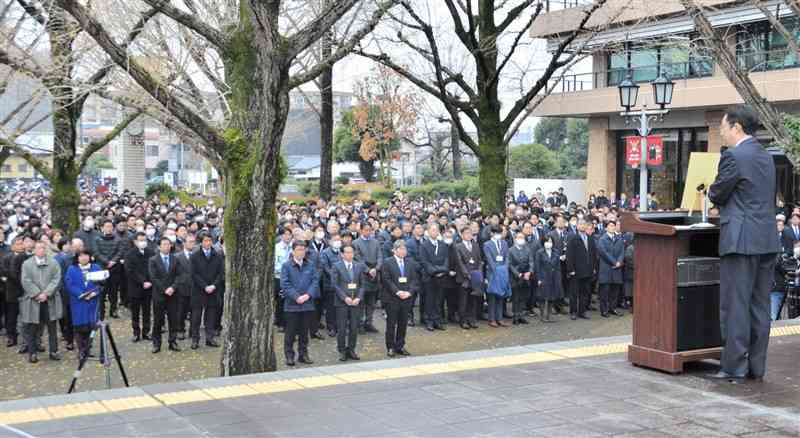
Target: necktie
x: 468, y: 244
x: 796, y: 233
x: 585, y: 242
x: 435, y: 248
x: 400, y: 264
x: 166, y: 263
x: 350, y: 271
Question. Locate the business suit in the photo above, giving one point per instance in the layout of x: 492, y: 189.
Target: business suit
x: 560, y: 240
x: 519, y: 263
x: 580, y: 265
x: 744, y: 191
x: 298, y: 280
x: 467, y: 259
x: 347, y: 284
x: 435, y: 260
x: 499, y: 287
x: 137, y: 273
x: 183, y: 260
x: 317, y: 249
x: 368, y: 252
x: 164, y: 277
x: 609, y: 276
x: 207, y: 270
x: 327, y: 260
x: 788, y: 238
x: 395, y: 279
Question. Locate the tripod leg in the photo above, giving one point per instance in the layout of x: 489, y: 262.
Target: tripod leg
x: 117, y: 356
x: 81, y: 364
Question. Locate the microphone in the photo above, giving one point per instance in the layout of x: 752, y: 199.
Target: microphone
x: 701, y: 187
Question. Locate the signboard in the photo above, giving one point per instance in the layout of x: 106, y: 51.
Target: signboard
x: 655, y: 151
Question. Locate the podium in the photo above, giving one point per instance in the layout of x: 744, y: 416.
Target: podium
x: 675, y: 320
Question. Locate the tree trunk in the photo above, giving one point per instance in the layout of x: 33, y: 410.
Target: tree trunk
x: 65, y: 199
x: 326, y: 124
x: 492, y: 173
x: 455, y: 142
x: 260, y: 102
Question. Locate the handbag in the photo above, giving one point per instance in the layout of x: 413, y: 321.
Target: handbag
x: 476, y: 283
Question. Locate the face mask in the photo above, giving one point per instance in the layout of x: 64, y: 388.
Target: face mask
x: 85, y: 267
x: 548, y: 245
x: 88, y: 225
x: 342, y: 221
x: 319, y: 235
x: 520, y: 242
x: 140, y: 229
x: 336, y: 244
x: 141, y: 244
x: 171, y: 238
x: 497, y: 236
x: 448, y: 241
x: 150, y: 232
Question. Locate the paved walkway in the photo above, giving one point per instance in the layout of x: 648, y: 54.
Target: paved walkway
x: 569, y: 389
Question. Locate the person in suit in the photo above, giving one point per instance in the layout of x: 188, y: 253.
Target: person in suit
x: 435, y: 266
x: 498, y: 286
x: 12, y: 270
x: 40, y: 304
x: 449, y: 285
x: 399, y: 277
x: 316, y: 248
x: 139, y: 287
x: 208, y: 270
x: 791, y: 234
x: 328, y: 259
x: 164, y: 273
x: 368, y: 252
x: 413, y: 249
x: 519, y: 265
x: 84, y: 296
x: 183, y: 262
x: 347, y: 280
x: 744, y: 190
x: 580, y: 264
x: 548, y: 275
x: 468, y: 263
x: 611, y: 249
x: 300, y: 284
x: 560, y: 236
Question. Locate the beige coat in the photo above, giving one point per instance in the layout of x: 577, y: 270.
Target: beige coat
x: 35, y: 280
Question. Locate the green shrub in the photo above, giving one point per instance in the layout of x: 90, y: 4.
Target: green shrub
x: 342, y: 180
x: 162, y: 189
x: 309, y: 189
x: 466, y: 187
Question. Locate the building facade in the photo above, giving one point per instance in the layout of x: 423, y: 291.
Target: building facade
x: 648, y: 39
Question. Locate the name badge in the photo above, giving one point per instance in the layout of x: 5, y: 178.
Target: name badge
x: 351, y: 286
x: 471, y: 261
x: 402, y: 280
x: 499, y: 258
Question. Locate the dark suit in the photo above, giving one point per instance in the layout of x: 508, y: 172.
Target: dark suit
x: 369, y: 253
x: 347, y: 284
x: 206, y: 271
x: 137, y: 273
x: 744, y: 191
x: 435, y: 268
x: 327, y: 260
x: 788, y: 238
x: 164, y: 279
x: 465, y: 261
x: 519, y: 262
x: 397, y: 310
x: 184, y: 283
x: 611, y: 251
x: 580, y: 260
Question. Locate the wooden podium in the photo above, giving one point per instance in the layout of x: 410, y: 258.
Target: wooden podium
x: 672, y: 325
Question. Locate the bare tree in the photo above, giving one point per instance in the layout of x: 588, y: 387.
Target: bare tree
x: 490, y: 33
x: 256, y: 53
x: 42, y: 44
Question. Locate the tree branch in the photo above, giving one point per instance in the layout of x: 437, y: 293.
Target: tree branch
x: 496, y: 76
x: 100, y: 144
x: 322, y: 23
x: 33, y: 12
x: 191, y: 21
x: 515, y: 12
x: 776, y: 23
x: 37, y: 163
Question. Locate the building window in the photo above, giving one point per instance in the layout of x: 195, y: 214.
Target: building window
x: 646, y: 63
x: 760, y: 47
x: 152, y: 150
x: 6, y: 168
x: 23, y: 167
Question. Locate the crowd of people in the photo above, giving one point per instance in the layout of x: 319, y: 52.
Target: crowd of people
x: 428, y: 263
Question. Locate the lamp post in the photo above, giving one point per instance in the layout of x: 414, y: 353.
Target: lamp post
x: 662, y: 95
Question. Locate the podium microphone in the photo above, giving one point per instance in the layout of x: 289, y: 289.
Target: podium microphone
x: 701, y: 187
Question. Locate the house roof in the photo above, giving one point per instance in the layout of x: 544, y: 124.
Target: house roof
x: 303, y: 163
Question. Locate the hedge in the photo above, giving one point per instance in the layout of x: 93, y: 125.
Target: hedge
x: 466, y: 187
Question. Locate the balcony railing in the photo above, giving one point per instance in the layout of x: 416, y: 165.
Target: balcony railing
x: 767, y: 60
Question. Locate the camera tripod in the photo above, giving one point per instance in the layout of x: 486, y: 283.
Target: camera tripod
x: 106, y: 340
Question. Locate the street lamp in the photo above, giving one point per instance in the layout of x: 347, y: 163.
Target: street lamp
x: 662, y: 95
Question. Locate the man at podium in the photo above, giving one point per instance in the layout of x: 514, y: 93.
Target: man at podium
x: 744, y: 191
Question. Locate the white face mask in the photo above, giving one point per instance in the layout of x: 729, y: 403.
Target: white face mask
x: 448, y: 241
x: 497, y: 236
x: 319, y: 235
x: 140, y: 229
x: 171, y: 238
x: 520, y: 242
x: 336, y: 244
x: 150, y: 232
x: 88, y: 224
x: 141, y: 244
x: 548, y: 245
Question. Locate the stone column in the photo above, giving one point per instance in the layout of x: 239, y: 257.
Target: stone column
x: 132, y: 163
x: 713, y: 119
x: 601, y: 167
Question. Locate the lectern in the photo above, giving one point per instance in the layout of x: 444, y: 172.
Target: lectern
x: 676, y: 290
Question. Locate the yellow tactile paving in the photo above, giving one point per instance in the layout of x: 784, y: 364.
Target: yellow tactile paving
x: 180, y: 397
x: 231, y: 391
x: 76, y: 410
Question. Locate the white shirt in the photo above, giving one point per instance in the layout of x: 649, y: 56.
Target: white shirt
x: 746, y: 137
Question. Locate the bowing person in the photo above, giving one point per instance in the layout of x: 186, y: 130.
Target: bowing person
x: 612, y: 259
x: 468, y: 264
x: 435, y: 266
x: 300, y: 285
x: 347, y: 279
x: 548, y: 274
x: 399, y: 276
x: 208, y: 278
x: 164, y: 274
x: 139, y: 287
x: 519, y: 265
x: 84, y: 296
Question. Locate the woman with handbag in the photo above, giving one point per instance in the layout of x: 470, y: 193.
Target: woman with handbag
x: 84, y: 299
x: 499, y: 287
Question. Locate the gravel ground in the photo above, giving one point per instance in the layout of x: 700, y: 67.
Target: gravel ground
x: 19, y: 379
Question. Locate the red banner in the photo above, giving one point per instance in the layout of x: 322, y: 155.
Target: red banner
x: 655, y: 151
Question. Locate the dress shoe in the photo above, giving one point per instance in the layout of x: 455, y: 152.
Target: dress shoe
x: 403, y: 352
x: 515, y: 321
x: 70, y: 346
x: 181, y: 336
x: 615, y: 313
x: 501, y: 324
x: 493, y: 324
x: 23, y: 349
x: 195, y: 344
x: 33, y: 358
x: 473, y: 324
x: 156, y: 348
x: 604, y: 315
x: 754, y: 378
x: 465, y: 326
x: 721, y: 375
x: 369, y: 328
x: 289, y: 361
x: 40, y: 348
x: 523, y: 321
x: 352, y: 355
x: 11, y: 342
x: 54, y: 356
x: 305, y: 359
x: 390, y: 353
x: 173, y: 346
x: 147, y: 337
x: 136, y: 338
x: 212, y: 343
x: 316, y: 335
x: 331, y: 333
x: 429, y: 327
x: 411, y: 322
x: 583, y: 316
x: 343, y: 357
x: 573, y: 316
x: 439, y: 327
